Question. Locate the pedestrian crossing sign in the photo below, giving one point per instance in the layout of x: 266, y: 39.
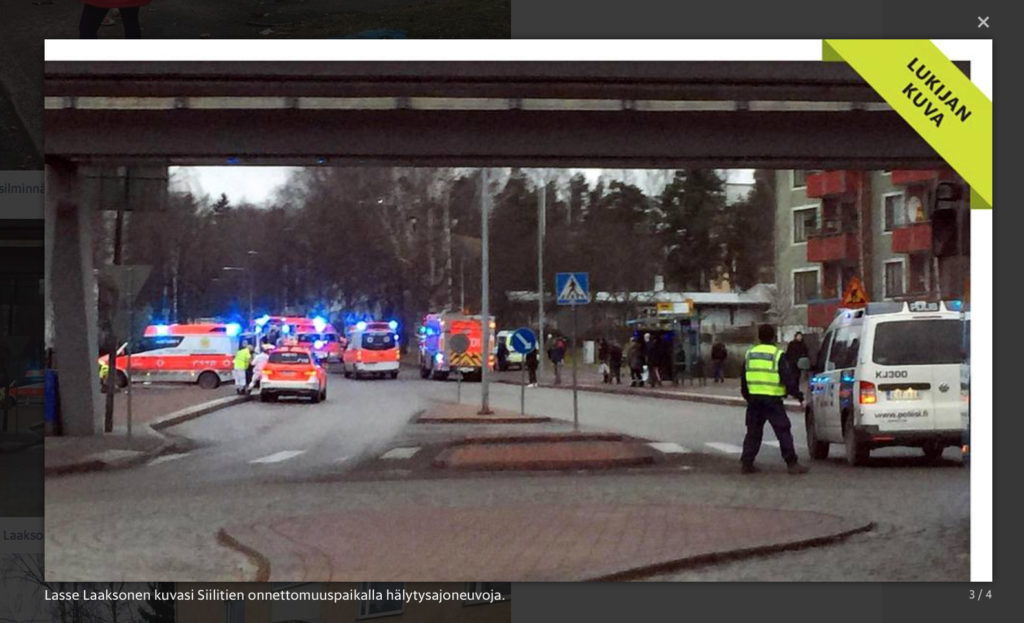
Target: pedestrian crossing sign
x: 855, y: 296
x: 572, y: 288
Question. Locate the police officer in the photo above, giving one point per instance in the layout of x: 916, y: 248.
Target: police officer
x: 767, y: 379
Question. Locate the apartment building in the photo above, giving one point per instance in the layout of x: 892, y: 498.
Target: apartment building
x: 882, y: 227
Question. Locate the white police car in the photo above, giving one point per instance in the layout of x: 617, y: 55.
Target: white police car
x: 890, y: 375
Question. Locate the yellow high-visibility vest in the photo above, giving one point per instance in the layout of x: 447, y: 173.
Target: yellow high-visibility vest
x: 242, y: 359
x: 762, y: 371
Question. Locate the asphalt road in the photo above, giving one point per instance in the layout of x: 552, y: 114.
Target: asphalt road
x: 259, y: 462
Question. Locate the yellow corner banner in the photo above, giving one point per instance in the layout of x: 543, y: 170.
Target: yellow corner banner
x: 931, y: 94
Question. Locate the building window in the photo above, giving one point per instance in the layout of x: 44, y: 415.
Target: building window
x: 805, y: 221
x: 799, y: 179
x: 234, y: 611
x: 502, y: 588
x: 894, y: 279
x: 389, y: 603
x: 805, y: 286
x: 894, y: 213
x: 918, y: 273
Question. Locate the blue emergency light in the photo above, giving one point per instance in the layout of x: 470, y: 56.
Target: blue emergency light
x: 318, y: 344
x: 286, y: 329
x: 319, y: 324
x: 262, y: 320
x: 232, y: 329
x: 393, y: 325
x: 360, y: 326
x: 162, y: 329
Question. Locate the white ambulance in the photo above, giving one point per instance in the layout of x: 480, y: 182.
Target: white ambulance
x: 201, y: 353
x: 890, y: 374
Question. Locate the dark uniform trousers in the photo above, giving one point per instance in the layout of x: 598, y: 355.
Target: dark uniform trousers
x: 759, y: 410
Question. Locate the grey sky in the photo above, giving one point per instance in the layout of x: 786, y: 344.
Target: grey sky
x: 257, y: 184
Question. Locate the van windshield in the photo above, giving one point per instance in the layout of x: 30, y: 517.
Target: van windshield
x: 918, y: 342
x: 378, y: 341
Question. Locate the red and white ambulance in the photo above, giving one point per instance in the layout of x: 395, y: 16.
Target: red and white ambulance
x: 201, y: 353
x: 372, y: 350
x: 316, y: 334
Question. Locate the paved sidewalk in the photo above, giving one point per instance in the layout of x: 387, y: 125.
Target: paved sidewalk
x: 525, y: 543
x: 154, y: 407
x: 726, y: 393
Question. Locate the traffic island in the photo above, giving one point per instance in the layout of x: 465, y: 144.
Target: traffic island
x: 450, y: 413
x: 553, y: 451
x: 524, y: 543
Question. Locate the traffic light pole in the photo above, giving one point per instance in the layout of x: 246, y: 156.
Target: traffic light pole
x: 575, y: 356
x: 542, y: 200
x: 485, y: 284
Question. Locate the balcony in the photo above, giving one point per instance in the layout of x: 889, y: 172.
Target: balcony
x: 821, y: 312
x: 911, y: 238
x: 830, y: 245
x: 828, y: 183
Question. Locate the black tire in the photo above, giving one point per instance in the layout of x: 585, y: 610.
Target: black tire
x: 816, y: 448
x: 424, y: 373
x: 264, y: 397
x: 394, y: 374
x: 857, y: 452
x: 323, y: 394
x: 440, y: 376
x: 209, y: 380
x: 121, y: 380
x: 933, y: 451
x: 315, y: 398
x: 348, y: 374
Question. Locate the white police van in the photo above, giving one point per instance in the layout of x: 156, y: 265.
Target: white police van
x: 890, y: 375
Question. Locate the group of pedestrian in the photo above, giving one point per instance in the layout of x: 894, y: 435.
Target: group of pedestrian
x: 96, y: 13
x: 646, y: 358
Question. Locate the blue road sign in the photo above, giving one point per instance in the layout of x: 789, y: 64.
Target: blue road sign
x: 572, y: 288
x: 522, y: 341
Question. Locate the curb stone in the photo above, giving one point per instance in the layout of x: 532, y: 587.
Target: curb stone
x: 730, y: 401
x: 701, y: 560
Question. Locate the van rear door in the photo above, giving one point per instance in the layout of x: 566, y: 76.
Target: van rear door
x: 917, y: 373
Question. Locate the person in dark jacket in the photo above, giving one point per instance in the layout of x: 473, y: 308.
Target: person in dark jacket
x: 615, y: 361
x: 767, y: 379
x: 502, y: 356
x: 531, y: 367
x: 94, y: 11
x: 719, y: 353
x: 797, y: 355
x: 635, y: 359
x: 557, y: 355
x: 652, y: 354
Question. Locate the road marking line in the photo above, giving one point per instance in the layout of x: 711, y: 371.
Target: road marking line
x: 167, y: 457
x: 667, y: 447
x: 341, y: 460
x: 727, y: 448
x: 400, y: 453
x: 773, y: 444
x: 277, y: 457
